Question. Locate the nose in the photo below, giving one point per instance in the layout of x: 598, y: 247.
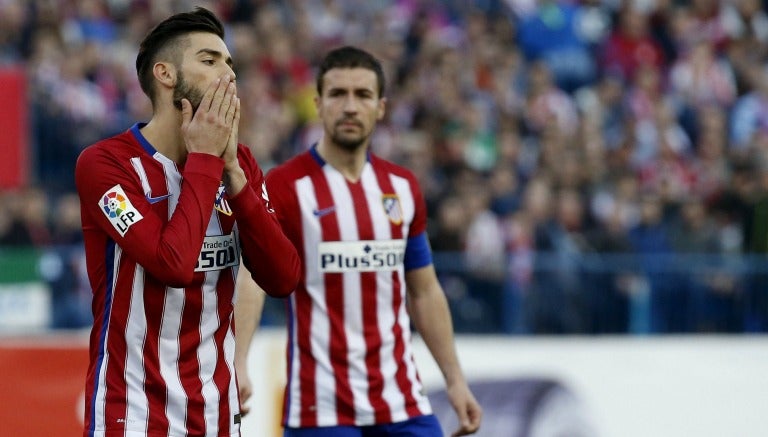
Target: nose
x: 350, y: 104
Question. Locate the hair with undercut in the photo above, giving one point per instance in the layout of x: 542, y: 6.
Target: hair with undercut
x: 350, y: 57
x: 167, y: 39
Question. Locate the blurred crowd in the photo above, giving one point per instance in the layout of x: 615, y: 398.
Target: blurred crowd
x: 568, y: 150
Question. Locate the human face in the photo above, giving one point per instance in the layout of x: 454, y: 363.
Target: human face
x: 349, y: 106
x: 204, y: 60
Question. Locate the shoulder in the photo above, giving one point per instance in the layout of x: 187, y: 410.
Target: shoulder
x: 295, y: 168
x: 108, y: 150
x: 394, y: 169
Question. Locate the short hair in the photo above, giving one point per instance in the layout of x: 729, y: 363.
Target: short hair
x: 169, y: 34
x: 350, y: 57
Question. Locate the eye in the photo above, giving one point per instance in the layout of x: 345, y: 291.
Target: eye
x: 208, y: 61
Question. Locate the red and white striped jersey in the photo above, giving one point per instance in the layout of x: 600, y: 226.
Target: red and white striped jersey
x: 163, y: 244
x: 349, y: 354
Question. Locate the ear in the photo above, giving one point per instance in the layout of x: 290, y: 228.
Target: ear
x: 318, y: 108
x: 165, y: 74
x: 381, y: 108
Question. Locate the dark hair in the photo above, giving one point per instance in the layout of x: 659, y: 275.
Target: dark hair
x: 350, y: 57
x: 168, y: 34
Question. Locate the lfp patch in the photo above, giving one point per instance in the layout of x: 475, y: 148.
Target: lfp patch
x: 118, y: 209
x: 391, y: 204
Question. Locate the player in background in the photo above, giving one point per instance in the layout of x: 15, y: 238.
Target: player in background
x: 359, y: 225
x: 167, y: 208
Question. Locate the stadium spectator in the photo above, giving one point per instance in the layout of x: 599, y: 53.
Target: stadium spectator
x: 452, y: 64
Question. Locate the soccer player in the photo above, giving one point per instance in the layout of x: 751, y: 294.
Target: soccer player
x: 359, y: 225
x: 168, y: 207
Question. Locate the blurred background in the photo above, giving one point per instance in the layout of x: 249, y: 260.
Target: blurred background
x: 593, y: 169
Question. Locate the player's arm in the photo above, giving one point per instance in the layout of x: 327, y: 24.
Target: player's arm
x: 267, y: 253
x: 167, y: 251
x: 248, y: 309
x: 113, y: 197
x: 428, y: 308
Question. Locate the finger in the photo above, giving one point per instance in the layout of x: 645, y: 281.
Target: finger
x: 205, y: 103
x: 218, y: 96
x: 233, y: 110
x: 186, y: 113
x: 244, y: 410
x: 228, y: 101
x: 474, y: 418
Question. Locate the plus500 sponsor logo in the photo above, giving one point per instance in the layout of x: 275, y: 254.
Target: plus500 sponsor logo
x: 360, y: 256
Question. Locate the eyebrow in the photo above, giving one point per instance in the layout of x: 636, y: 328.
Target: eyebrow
x: 217, y: 54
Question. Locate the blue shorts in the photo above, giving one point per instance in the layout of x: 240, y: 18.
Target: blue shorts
x: 422, y: 426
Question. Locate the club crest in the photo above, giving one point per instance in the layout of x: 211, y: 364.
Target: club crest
x: 221, y: 204
x: 391, y: 204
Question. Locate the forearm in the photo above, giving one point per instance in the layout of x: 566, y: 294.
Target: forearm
x: 271, y: 258
x: 432, y: 319
x: 248, y: 308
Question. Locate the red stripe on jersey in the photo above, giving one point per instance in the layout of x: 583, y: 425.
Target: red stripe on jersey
x: 334, y: 300
x: 154, y: 306
x: 369, y: 308
x: 222, y: 375
x: 308, y: 393
x: 401, y: 376
x: 189, y: 366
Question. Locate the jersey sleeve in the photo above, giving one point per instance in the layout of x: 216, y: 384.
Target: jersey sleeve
x: 267, y: 252
x: 417, y: 250
x: 114, y: 201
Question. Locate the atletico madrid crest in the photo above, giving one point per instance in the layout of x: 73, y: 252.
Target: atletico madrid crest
x: 221, y: 204
x: 391, y: 203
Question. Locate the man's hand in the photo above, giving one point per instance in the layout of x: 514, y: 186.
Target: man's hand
x: 234, y: 177
x: 467, y: 409
x: 208, y: 130
x: 245, y: 387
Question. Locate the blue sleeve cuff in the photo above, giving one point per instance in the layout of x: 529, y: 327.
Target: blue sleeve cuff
x: 417, y: 252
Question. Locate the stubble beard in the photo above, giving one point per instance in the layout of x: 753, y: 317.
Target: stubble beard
x: 350, y: 142
x: 183, y: 90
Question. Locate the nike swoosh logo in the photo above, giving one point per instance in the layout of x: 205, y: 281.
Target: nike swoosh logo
x: 324, y: 211
x: 151, y: 199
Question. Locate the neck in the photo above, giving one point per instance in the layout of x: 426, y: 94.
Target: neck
x: 349, y: 163
x: 164, y: 133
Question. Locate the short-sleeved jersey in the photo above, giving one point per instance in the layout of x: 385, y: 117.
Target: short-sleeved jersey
x: 349, y: 355
x: 163, y: 243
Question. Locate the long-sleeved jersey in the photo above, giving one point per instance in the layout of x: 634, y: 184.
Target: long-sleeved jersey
x: 349, y: 354
x: 163, y: 244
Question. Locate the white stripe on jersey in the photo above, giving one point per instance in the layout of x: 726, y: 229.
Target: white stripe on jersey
x: 207, y: 355
x: 172, y: 181
x: 170, y: 327
x: 176, y: 403
x: 353, y: 314
x: 139, y: 168
x: 137, y: 412
x: 307, y: 203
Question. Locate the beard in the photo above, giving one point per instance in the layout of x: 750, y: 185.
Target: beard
x: 349, y: 142
x: 183, y: 90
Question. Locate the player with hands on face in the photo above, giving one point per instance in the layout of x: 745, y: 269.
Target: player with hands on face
x: 170, y: 210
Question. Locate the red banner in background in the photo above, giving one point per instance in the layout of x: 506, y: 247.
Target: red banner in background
x: 14, y: 128
x: 42, y: 386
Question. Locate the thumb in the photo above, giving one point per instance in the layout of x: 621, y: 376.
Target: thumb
x: 186, y: 112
